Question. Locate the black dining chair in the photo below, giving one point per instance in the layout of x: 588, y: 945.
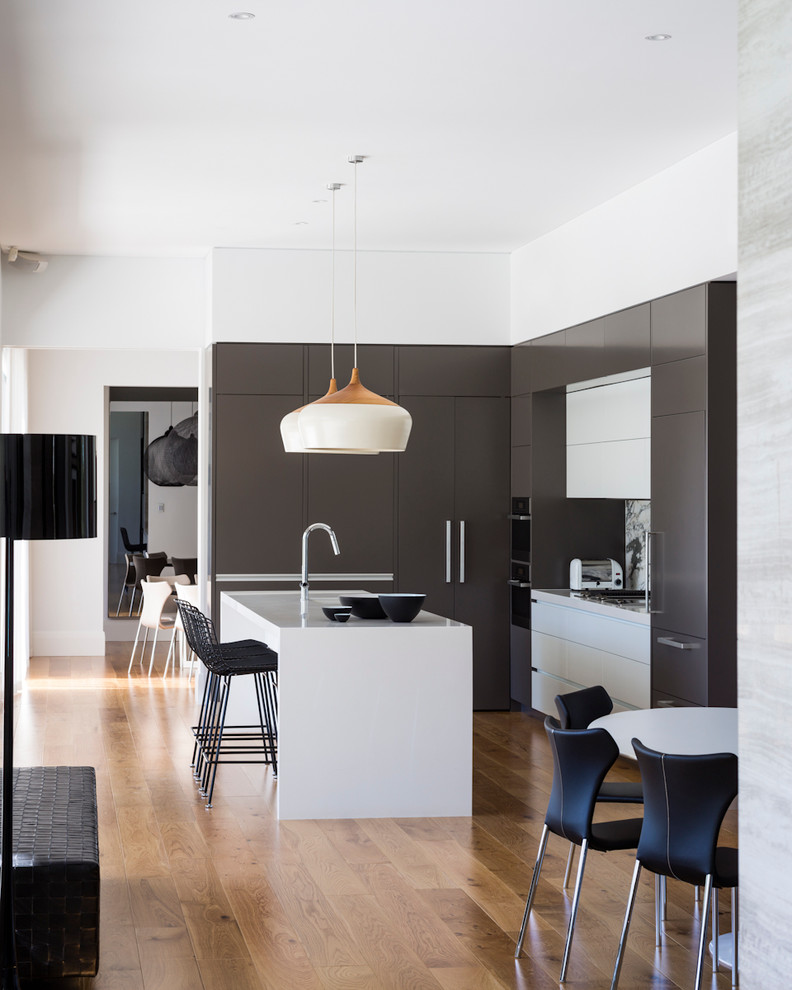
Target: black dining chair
x: 581, y: 759
x: 146, y: 566
x: 185, y: 565
x: 216, y: 742
x: 577, y: 710
x: 129, y: 585
x: 685, y: 800
x: 129, y: 546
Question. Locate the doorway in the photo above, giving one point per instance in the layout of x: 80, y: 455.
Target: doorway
x: 156, y: 517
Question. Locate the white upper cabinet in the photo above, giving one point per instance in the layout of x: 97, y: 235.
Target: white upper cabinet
x: 609, y: 440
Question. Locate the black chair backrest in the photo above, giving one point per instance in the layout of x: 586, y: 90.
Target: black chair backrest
x: 581, y: 759
x: 185, y: 565
x: 578, y: 709
x: 199, y: 630
x: 685, y: 799
x: 131, y: 547
x: 151, y: 566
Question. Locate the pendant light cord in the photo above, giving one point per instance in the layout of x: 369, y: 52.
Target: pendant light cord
x: 332, y: 294
x: 354, y: 263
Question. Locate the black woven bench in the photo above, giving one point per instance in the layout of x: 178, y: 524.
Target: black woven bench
x: 56, y: 872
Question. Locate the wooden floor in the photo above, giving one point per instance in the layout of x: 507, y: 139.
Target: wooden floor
x: 231, y: 899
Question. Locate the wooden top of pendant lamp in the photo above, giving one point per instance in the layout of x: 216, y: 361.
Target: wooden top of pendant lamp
x: 355, y: 394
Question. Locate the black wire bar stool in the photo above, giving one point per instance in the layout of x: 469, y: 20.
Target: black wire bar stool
x: 216, y: 742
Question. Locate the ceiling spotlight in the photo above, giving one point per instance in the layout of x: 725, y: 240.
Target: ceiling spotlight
x: 658, y: 37
x: 242, y: 15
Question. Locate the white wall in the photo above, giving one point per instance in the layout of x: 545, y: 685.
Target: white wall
x: 66, y: 390
x: 406, y: 298
x: 145, y: 303
x: 676, y: 229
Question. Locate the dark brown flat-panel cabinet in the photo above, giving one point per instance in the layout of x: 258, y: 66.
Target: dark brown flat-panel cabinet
x: 453, y: 536
x: 426, y: 504
x: 679, y: 523
x: 354, y: 495
x: 481, y: 493
x: 257, y: 488
x: 438, y: 370
x: 693, y: 546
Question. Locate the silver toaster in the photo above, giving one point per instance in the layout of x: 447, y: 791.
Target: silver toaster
x: 595, y: 574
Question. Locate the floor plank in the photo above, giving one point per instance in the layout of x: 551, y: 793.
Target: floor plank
x: 233, y: 899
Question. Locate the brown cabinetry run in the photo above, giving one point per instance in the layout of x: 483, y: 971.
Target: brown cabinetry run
x: 688, y: 338
x: 390, y: 511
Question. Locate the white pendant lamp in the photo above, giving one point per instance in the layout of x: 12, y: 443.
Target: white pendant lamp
x: 354, y: 419
x: 289, y: 427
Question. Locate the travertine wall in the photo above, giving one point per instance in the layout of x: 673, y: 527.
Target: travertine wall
x: 765, y: 492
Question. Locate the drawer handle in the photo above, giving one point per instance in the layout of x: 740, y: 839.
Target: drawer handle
x: 667, y: 641
x: 519, y: 584
x: 665, y: 703
x: 517, y: 518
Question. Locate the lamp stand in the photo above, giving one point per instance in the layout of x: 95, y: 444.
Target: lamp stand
x: 9, y: 979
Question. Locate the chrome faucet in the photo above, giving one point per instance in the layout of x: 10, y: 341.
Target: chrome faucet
x: 304, y: 569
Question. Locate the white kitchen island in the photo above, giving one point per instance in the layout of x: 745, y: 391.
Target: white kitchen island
x: 375, y: 717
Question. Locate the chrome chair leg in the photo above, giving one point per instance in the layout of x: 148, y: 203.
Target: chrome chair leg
x: 573, y: 916
x: 134, y: 647
x: 626, y: 927
x: 570, y: 861
x: 735, y: 926
x: 705, y: 910
x: 120, y: 599
x: 171, y: 653
x: 715, y: 930
x: 658, y: 909
x: 534, y: 881
x: 153, y: 647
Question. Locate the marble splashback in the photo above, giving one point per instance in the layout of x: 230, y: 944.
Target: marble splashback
x: 637, y: 520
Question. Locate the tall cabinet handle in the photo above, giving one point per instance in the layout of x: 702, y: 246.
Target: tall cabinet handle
x: 652, y: 580
x: 461, y: 551
x: 448, y: 552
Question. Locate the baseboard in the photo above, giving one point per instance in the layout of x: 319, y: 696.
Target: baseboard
x: 67, y: 644
x: 121, y: 630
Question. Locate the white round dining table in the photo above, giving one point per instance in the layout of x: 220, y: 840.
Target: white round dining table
x: 673, y: 730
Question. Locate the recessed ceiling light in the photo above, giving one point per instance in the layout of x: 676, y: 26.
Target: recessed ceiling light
x: 658, y: 37
x: 242, y: 15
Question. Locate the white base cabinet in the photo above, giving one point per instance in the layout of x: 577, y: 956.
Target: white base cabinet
x: 572, y: 648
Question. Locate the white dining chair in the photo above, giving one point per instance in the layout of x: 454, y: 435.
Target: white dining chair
x: 156, y: 593
x: 188, y: 593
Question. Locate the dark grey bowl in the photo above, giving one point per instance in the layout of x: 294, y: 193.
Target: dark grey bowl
x: 335, y: 613
x: 401, y: 608
x: 364, y: 606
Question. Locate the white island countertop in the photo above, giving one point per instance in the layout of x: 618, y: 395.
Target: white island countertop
x: 285, y: 610
x: 375, y: 717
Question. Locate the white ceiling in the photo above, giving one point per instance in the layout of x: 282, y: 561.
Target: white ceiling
x: 164, y: 127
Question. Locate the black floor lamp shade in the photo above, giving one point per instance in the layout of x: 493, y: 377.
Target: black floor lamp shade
x: 49, y: 486
x: 48, y: 493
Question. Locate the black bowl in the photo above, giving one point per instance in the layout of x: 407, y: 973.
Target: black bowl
x: 364, y: 606
x: 335, y: 613
x: 401, y: 608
